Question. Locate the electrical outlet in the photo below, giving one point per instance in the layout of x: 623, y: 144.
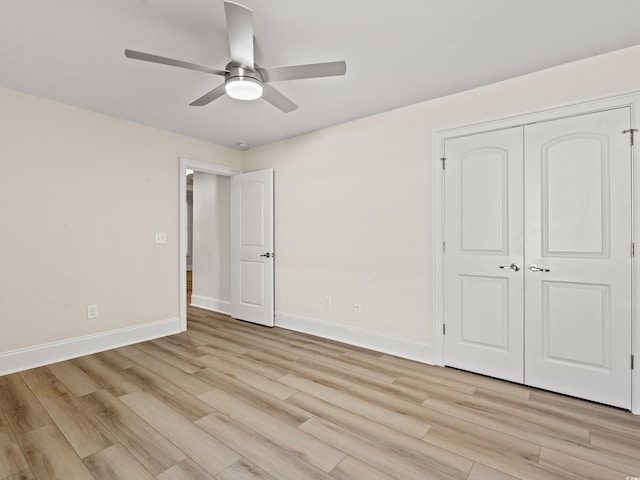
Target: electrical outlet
x: 327, y: 302
x: 161, y: 237
x: 357, y: 307
x: 92, y: 311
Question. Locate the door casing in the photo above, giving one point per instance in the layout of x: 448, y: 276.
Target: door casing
x: 630, y: 99
x: 184, y: 165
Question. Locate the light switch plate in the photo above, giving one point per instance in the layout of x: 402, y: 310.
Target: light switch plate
x: 161, y: 237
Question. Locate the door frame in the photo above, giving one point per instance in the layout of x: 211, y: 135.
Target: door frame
x: 627, y: 99
x: 184, y: 165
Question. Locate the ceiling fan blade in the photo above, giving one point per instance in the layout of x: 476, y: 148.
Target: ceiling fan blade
x: 240, y: 31
x: 295, y: 72
x: 278, y: 100
x: 147, y: 57
x: 209, y: 97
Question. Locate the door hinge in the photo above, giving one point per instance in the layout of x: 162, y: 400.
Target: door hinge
x: 444, y: 247
x: 632, y: 362
x: 443, y: 160
x: 633, y: 249
x: 444, y: 329
x: 631, y: 131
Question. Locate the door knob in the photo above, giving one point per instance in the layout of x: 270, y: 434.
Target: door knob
x: 533, y: 269
x: 514, y: 266
x: 268, y: 255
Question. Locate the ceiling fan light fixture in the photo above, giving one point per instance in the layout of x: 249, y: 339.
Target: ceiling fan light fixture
x: 243, y: 88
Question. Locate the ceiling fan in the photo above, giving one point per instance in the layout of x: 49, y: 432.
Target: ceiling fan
x: 243, y: 79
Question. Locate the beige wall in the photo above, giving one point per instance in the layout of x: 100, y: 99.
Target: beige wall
x: 354, y: 202
x: 81, y: 195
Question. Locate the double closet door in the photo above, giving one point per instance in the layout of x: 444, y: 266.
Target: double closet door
x: 537, y: 262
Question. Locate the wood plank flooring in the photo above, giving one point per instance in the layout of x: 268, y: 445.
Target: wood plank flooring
x: 229, y: 400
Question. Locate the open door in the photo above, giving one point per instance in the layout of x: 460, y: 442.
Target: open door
x: 252, y: 247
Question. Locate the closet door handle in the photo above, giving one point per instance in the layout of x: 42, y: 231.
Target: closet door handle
x: 514, y: 266
x: 533, y: 269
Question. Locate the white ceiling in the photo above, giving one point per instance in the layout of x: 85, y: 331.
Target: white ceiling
x: 397, y: 52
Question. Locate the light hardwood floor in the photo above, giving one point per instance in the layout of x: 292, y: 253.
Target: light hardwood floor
x: 229, y: 400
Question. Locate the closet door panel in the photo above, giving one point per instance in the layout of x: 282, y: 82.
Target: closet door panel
x: 575, y: 194
x: 578, y: 262
x: 483, y: 232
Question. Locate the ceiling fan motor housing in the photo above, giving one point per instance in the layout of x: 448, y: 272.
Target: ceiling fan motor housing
x: 242, y: 73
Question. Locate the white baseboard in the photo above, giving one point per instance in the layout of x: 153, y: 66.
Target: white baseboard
x: 213, y: 304
x: 26, y: 358
x: 400, y: 347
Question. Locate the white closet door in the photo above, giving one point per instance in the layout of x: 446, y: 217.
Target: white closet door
x: 578, y: 231
x: 483, y: 236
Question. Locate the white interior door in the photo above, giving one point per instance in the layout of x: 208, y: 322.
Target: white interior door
x: 252, y: 247
x: 578, y: 232
x: 483, y: 307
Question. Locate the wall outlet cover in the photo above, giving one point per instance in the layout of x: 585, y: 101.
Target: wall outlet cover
x: 92, y: 311
x: 327, y: 302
